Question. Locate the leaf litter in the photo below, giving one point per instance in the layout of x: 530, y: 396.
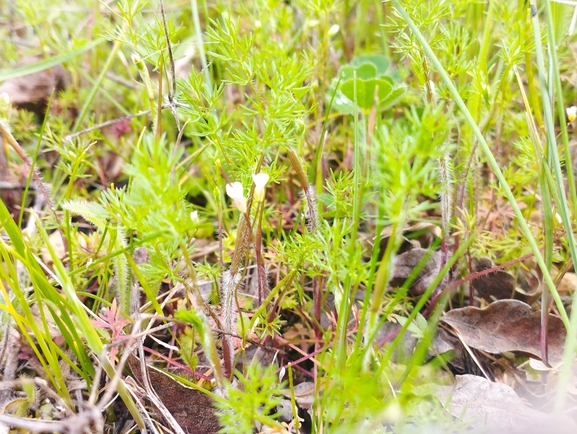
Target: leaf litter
x: 507, y: 325
x: 496, y: 407
x: 192, y: 409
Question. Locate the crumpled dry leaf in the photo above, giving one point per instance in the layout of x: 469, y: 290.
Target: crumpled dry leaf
x: 406, y: 262
x: 496, y: 407
x: 507, y: 325
x: 498, y: 285
x: 192, y: 409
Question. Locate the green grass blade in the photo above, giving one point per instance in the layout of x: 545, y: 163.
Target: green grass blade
x: 50, y: 62
x: 96, y: 87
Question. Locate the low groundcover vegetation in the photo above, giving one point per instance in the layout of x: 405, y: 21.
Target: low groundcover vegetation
x: 288, y: 216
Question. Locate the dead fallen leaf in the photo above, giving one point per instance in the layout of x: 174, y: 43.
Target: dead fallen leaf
x: 192, y: 409
x: 507, y: 325
x: 496, y: 407
x: 498, y: 285
x: 60, y: 249
x: 304, y: 398
x: 57, y: 243
x: 417, y: 227
x: 419, y: 235
x: 406, y: 262
x: 443, y: 342
x: 304, y: 394
x: 31, y: 91
x: 184, y: 65
x: 568, y: 284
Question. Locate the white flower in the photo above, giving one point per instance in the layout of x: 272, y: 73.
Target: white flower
x: 194, y: 216
x: 571, y: 113
x: 236, y: 192
x: 334, y: 29
x: 260, y: 180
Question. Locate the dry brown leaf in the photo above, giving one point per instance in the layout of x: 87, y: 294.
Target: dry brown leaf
x: 496, y: 407
x: 304, y: 394
x: 415, y: 236
x: 507, y: 325
x: 192, y: 409
x: 184, y: 65
x: 498, y: 285
x: 417, y: 227
x: 57, y: 243
x: 567, y: 284
x: 31, y: 91
x: 408, y: 261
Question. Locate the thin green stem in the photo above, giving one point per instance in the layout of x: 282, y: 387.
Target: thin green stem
x: 200, y: 46
x: 563, y: 205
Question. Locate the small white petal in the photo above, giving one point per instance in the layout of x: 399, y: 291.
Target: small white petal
x: 334, y: 29
x: 240, y: 204
x: 234, y: 190
x: 571, y: 113
x: 194, y: 216
x: 260, y: 180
